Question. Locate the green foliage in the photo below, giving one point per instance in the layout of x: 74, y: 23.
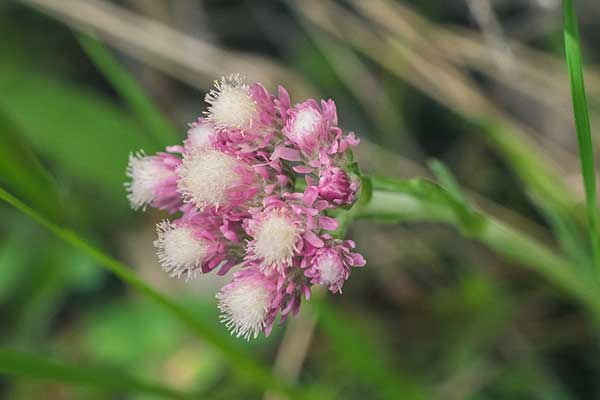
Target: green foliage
x: 240, y: 360
x: 36, y: 367
x: 419, y: 199
x: 582, y: 122
x: 436, y: 199
x: 470, y: 219
x: 148, y: 115
x: 22, y: 172
x: 85, y: 135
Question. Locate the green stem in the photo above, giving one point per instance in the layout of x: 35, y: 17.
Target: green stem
x: 507, y: 241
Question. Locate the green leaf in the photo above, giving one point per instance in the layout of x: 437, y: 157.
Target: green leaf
x: 582, y: 122
x: 14, y: 257
x: 36, y: 367
x: 470, y: 218
x: 84, y: 134
x: 162, y: 131
x: 22, y: 172
x: 240, y: 360
x: 571, y: 237
x: 130, y: 332
x: 447, y: 180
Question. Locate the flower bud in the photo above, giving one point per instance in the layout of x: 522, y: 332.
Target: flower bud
x: 337, y: 187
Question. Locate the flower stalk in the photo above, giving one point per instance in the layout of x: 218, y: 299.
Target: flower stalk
x: 395, y: 206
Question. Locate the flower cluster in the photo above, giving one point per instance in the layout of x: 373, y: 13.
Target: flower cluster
x: 252, y: 187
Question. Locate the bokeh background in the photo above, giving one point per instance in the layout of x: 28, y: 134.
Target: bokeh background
x: 480, y: 84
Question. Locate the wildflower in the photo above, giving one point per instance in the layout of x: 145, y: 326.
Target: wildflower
x: 248, y: 303
x: 337, y: 187
x: 199, y: 241
x: 179, y: 251
x: 259, y: 115
x: 234, y: 186
x: 231, y: 104
x: 330, y: 265
x: 276, y: 233
x: 211, y: 177
x: 236, y: 106
x: 308, y: 127
x: 153, y: 181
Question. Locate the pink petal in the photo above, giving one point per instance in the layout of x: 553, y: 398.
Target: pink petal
x: 269, y: 188
x: 321, y: 205
x: 302, y: 169
x: 306, y: 291
x: 313, y: 239
x: 328, y: 223
x: 358, y: 260
x: 310, y: 195
x: 286, y: 154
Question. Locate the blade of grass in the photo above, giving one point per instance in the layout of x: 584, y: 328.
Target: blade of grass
x: 35, y: 367
x: 21, y: 170
x: 582, y: 122
x: 470, y: 218
x: 242, y: 362
x: 162, y: 131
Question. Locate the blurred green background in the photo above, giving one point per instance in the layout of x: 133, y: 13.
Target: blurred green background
x: 480, y: 84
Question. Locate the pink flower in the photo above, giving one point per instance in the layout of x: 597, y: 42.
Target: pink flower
x: 252, y: 300
x: 337, y: 187
x: 233, y: 182
x: 330, y: 265
x: 249, y: 303
x: 153, y: 181
x: 196, y: 243
x: 313, y: 137
x: 244, y: 116
x: 309, y: 127
x: 209, y: 177
x: 231, y: 104
x: 276, y: 237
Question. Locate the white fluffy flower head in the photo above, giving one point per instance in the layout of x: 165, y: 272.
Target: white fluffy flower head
x: 275, y: 239
x: 205, y: 175
x: 231, y: 104
x: 305, y: 123
x: 244, y: 305
x: 330, y: 269
x: 178, y: 251
x: 145, y: 172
